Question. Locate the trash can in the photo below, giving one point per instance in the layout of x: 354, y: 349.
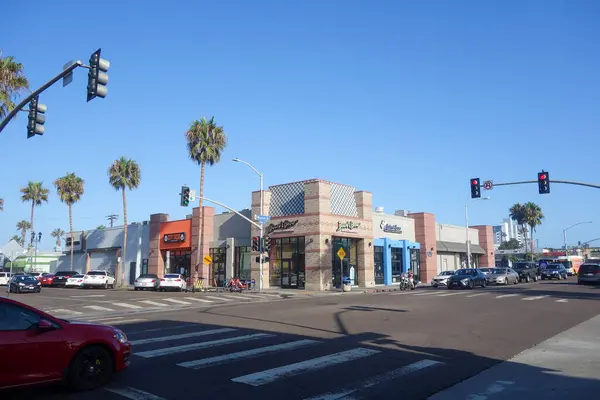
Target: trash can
x: 346, y: 285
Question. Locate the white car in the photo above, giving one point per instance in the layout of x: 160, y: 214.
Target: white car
x: 441, y: 279
x: 5, y: 278
x: 98, y: 278
x: 75, y: 281
x: 172, y: 282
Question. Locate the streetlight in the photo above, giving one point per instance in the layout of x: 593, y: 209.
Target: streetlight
x: 565, y: 233
x: 35, y: 240
x: 467, y: 229
x: 260, y: 260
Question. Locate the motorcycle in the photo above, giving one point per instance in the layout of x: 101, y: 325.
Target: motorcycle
x: 405, y: 282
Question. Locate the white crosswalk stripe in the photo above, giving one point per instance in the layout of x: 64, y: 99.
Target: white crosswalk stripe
x: 477, y: 294
x: 534, y: 298
x: 200, y: 300
x: 64, y: 311
x: 133, y: 394
x: 238, y: 297
x: 154, y: 303
x: 98, y: 308
x: 449, y: 294
x: 182, y: 336
x: 217, y: 298
x: 562, y: 301
x: 126, y: 305
x: 502, y: 296
x: 177, y: 301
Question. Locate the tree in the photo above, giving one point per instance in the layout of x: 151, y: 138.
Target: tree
x: 12, y: 83
x: 1, y: 204
x: 23, y: 226
x: 518, y: 214
x: 70, y: 189
x: 533, y: 218
x: 16, y: 238
x: 101, y: 227
x: 124, y: 174
x: 58, y: 234
x: 512, y: 244
x: 36, y: 193
x: 205, y: 143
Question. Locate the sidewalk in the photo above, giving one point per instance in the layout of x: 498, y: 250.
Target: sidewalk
x: 566, y: 366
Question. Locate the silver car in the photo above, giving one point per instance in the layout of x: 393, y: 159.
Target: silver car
x: 502, y: 276
x: 147, y: 282
x: 441, y: 279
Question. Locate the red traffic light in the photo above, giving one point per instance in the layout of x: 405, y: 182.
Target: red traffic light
x: 543, y: 176
x: 474, y: 182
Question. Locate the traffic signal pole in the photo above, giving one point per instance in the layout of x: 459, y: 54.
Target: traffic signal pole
x: 551, y: 181
x: 37, y: 92
x: 260, y: 247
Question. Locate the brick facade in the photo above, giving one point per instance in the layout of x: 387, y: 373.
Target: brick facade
x: 486, y: 241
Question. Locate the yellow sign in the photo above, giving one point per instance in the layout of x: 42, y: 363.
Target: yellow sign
x: 341, y: 253
x: 207, y: 259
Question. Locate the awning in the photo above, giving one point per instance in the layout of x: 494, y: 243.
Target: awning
x: 453, y: 247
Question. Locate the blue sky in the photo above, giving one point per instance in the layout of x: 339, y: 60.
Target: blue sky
x: 406, y: 99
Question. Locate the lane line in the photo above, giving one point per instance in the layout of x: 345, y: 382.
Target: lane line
x: 247, y: 354
x: 126, y: 305
x: 153, y: 303
x: 201, y: 300
x: 88, y: 295
x: 237, y: 297
x: 119, y: 322
x: 177, y: 301
x: 64, y: 311
x: 159, y: 329
x: 98, y: 308
x: 217, y: 298
x: 134, y: 394
x: 506, y: 295
x: 201, y: 345
x: 534, y: 298
x: 103, y: 319
x: 477, y: 294
x: 421, y: 294
x: 562, y: 301
x: 182, y: 336
x: 449, y: 294
x: 345, y: 394
x: 315, y: 364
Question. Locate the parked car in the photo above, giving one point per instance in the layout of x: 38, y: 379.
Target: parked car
x: 38, y: 348
x: 60, y: 278
x: 527, y: 270
x: 173, y: 282
x: 554, y: 271
x: 588, y: 273
x: 467, y: 278
x: 502, y: 276
x: 98, y: 278
x: 75, y: 281
x: 46, y: 280
x: 441, y: 279
x: 24, y: 284
x: 5, y: 278
x: 485, y: 270
x: 147, y: 281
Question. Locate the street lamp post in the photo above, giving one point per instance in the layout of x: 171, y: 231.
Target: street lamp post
x: 35, y: 240
x: 467, y: 240
x: 260, y: 249
x: 565, y: 233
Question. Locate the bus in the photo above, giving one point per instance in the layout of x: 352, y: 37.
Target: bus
x: 571, y: 263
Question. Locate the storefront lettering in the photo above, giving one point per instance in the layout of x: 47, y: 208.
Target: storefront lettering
x: 174, y: 237
x: 347, y: 226
x: 390, y: 228
x: 282, y: 226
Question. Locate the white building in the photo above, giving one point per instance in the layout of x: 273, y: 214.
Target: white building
x: 508, y: 230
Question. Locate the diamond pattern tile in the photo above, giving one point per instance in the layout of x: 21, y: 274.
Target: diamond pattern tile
x: 343, y: 201
x: 287, y: 199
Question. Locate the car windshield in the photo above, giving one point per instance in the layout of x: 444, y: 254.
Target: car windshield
x: 96, y: 273
x: 65, y: 273
x: 147, y: 276
x: 465, y: 272
x: 172, y: 276
x: 77, y: 276
x: 520, y: 266
x: 25, y: 278
x: 499, y: 271
x: 445, y: 273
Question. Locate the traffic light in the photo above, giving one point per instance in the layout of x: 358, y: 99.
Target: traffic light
x: 475, y: 188
x: 255, y: 243
x: 97, y: 76
x: 185, y: 196
x: 266, y: 244
x: 36, y: 118
x: 543, y: 182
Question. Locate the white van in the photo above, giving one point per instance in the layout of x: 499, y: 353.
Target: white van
x: 5, y: 278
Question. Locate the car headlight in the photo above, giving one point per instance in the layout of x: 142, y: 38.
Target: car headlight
x: 120, y: 336
x: 465, y: 280
x: 21, y: 284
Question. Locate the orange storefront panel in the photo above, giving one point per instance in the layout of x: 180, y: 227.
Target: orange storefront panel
x: 176, y: 235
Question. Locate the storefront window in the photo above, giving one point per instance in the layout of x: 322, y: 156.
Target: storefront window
x: 415, y: 264
x: 396, y: 264
x: 178, y: 262
x: 242, y: 262
x: 287, y: 262
x: 379, y: 278
x: 348, y: 267
x: 217, y: 267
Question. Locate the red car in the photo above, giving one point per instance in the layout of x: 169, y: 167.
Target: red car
x: 37, y: 348
x: 46, y: 280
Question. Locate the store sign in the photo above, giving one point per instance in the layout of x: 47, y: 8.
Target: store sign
x: 174, y: 237
x: 347, y: 226
x: 390, y: 228
x: 282, y: 226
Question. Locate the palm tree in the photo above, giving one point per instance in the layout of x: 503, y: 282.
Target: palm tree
x: 23, y: 226
x: 36, y: 194
x: 533, y: 217
x: 70, y: 189
x: 58, y: 234
x: 518, y: 214
x: 101, y: 227
x: 16, y: 238
x: 124, y: 174
x: 12, y: 83
x: 205, y: 142
x: 1, y: 204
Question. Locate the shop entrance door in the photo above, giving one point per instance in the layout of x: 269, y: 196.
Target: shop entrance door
x: 289, y: 277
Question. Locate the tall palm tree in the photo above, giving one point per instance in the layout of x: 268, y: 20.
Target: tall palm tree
x: 12, y: 83
x: 533, y: 217
x: 58, y: 234
x: 205, y: 142
x: 23, y: 226
x: 16, y: 238
x: 70, y: 189
x: 124, y: 174
x: 517, y: 213
x: 36, y: 193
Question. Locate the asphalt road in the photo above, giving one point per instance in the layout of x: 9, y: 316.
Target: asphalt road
x: 382, y: 345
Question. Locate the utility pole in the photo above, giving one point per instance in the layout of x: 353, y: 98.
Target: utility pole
x: 112, y: 218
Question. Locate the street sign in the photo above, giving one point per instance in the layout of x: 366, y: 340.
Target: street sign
x: 263, y: 218
x: 207, y: 259
x: 488, y: 185
x: 192, y: 195
x: 12, y: 250
x: 341, y: 253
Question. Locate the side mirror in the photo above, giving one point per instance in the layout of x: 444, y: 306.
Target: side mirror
x: 45, y: 325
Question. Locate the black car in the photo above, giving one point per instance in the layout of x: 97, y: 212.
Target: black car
x: 527, y: 270
x: 554, y: 271
x: 467, y: 278
x: 24, y: 283
x: 60, y: 278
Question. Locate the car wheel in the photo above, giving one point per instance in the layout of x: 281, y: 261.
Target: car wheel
x: 535, y: 278
x: 483, y: 283
x: 506, y: 281
x: 516, y: 281
x: 527, y: 279
x: 106, y: 286
x: 471, y: 285
x: 91, y: 368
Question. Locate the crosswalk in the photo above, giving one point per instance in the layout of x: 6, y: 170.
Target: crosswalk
x: 257, y: 360
x: 493, y: 294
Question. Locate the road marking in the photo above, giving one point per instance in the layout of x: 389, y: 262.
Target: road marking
x: 201, y: 345
x: 103, y: 319
x: 153, y: 303
x: 247, y: 354
x: 89, y: 295
x: 177, y: 301
x: 370, y: 382
x: 477, y: 294
x: 182, y: 336
x: 493, y: 389
x: 160, y: 329
x: 126, y: 305
x: 270, y: 294
x: 272, y: 375
x: 120, y: 321
x: 420, y: 294
x: 449, y: 294
x: 506, y: 295
x: 134, y: 394
x: 197, y: 299
x: 534, y: 298
x: 63, y: 311
x: 217, y: 298
x: 562, y: 301
x: 98, y: 308
x: 238, y: 297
